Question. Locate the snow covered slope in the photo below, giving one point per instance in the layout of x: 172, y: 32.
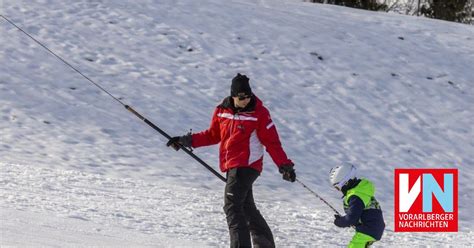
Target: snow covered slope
x: 384, y: 91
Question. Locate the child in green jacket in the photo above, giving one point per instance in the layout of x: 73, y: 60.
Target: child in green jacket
x: 362, y: 210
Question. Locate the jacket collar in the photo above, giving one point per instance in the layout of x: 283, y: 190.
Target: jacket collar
x: 349, y: 185
x: 228, y: 103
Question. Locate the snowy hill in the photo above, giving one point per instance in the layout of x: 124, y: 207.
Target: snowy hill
x: 382, y: 90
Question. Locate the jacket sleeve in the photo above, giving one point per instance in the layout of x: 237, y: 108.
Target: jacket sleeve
x: 353, y: 213
x: 210, y: 136
x: 268, y: 135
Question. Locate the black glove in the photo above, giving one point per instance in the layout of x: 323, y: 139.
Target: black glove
x: 288, y: 172
x: 337, y: 218
x: 178, y: 141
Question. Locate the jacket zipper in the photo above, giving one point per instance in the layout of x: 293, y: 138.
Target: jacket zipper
x: 227, y: 143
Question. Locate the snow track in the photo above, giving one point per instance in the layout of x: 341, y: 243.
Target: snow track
x: 43, y: 206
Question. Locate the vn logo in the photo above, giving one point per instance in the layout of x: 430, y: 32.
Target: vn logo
x: 426, y: 200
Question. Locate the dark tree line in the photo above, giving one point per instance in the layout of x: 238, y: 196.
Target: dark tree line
x: 360, y: 4
x: 449, y: 10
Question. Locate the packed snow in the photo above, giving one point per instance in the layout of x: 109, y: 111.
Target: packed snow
x: 382, y: 90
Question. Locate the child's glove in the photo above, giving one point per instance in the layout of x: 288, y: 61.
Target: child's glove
x: 337, y: 220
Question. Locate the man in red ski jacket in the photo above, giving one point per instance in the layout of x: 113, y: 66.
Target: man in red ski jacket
x: 243, y: 127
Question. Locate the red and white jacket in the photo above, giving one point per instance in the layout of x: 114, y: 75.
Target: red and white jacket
x: 242, y: 136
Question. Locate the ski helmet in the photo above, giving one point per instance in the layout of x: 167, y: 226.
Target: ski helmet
x: 339, y: 175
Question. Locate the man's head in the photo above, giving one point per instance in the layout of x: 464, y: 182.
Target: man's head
x: 240, y: 90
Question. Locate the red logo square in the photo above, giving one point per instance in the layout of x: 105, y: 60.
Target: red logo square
x: 426, y: 200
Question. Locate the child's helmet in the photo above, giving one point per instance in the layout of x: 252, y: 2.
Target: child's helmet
x: 339, y: 175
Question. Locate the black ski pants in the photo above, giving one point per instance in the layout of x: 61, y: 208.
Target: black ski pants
x: 243, y: 218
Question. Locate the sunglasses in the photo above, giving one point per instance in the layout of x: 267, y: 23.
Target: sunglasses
x: 242, y: 97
